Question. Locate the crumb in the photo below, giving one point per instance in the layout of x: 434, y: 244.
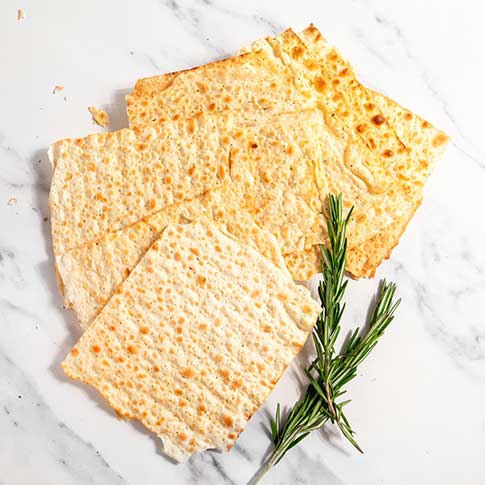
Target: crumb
x: 45, y: 219
x: 131, y: 53
x: 57, y: 88
x: 100, y: 117
x: 20, y: 14
x: 65, y: 99
x: 12, y: 201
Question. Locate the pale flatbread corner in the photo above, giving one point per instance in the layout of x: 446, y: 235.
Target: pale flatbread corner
x: 195, y: 338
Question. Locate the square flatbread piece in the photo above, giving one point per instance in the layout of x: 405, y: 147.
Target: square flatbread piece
x: 195, y: 339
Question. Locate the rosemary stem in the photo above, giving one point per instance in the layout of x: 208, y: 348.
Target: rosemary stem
x: 267, y: 465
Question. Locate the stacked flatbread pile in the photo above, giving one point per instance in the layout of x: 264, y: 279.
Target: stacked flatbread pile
x: 177, y: 240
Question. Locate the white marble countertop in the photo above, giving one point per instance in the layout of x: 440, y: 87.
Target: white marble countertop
x: 419, y: 405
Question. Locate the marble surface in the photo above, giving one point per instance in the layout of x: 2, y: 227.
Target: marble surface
x: 419, y: 403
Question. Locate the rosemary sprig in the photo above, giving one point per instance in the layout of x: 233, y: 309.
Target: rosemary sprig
x: 331, y: 371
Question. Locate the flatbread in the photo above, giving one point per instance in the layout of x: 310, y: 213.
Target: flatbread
x: 195, y: 339
x: 423, y: 141
x: 107, y: 181
x: 421, y: 138
x: 250, y: 86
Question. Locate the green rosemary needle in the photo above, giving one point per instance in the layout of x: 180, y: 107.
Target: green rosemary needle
x: 330, y: 371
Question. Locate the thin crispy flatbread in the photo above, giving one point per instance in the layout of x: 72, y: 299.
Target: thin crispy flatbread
x: 423, y: 141
x: 195, y: 339
x: 107, y: 181
x: 250, y: 86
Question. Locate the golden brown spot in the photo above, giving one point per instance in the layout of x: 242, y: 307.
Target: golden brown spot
x: 344, y: 72
x: 201, y: 280
x: 201, y: 409
x: 266, y: 329
x: 96, y: 349
x: 221, y: 171
x: 182, y: 437
x: 75, y: 352
x: 177, y: 256
x: 211, y: 107
x: 231, y: 436
x: 188, y: 372
x: 307, y: 309
x: 91, y: 166
x: 142, y: 146
x: 132, y: 349
x: 369, y: 106
x: 191, y: 170
x: 297, y: 52
x: 126, y: 273
x: 152, y: 204
x: 320, y: 84
x: 236, y: 384
x: 179, y: 392
x: 408, y: 116
x: 178, y: 330
x: 387, y: 153
x: 372, y: 143
x: 378, y: 119
x: 195, y: 251
x: 191, y: 126
x: 439, y: 140
x: 183, y: 403
x: 203, y: 326
x: 224, y: 373
x: 121, y: 359
x: 218, y: 248
x: 144, y: 330
x: 227, y: 420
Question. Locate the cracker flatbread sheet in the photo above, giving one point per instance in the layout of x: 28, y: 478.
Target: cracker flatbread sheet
x: 195, y: 339
x: 423, y: 141
x: 107, y: 181
x: 250, y: 86
x: 421, y: 138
